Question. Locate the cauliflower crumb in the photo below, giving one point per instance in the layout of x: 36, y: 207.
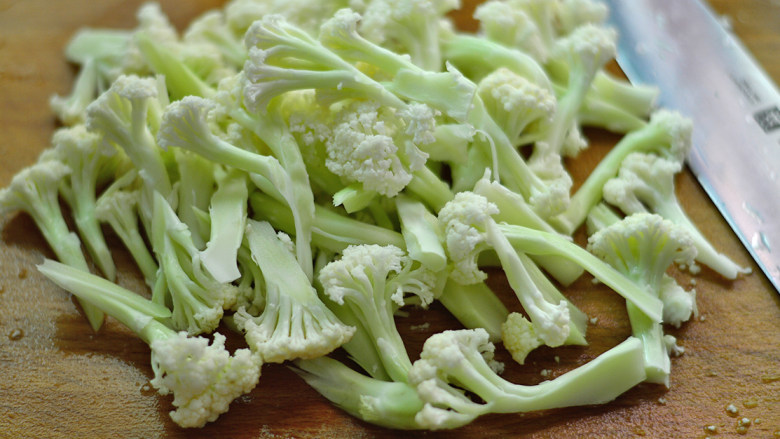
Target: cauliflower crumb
x: 421, y: 327
x: 288, y: 243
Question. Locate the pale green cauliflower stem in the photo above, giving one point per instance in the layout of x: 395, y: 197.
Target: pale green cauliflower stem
x: 455, y: 362
x: 70, y: 109
x: 197, y: 299
x: 469, y: 229
x: 391, y: 404
x: 203, y: 378
x: 34, y: 190
x: 93, y: 163
x: 117, y: 206
x: 294, y: 322
x: 227, y: 213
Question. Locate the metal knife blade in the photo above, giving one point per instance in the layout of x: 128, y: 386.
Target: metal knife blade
x: 706, y: 73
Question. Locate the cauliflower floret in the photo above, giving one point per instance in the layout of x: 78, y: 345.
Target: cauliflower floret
x: 369, y: 145
x: 408, y: 26
x: 510, y: 25
x: 645, y: 183
x: 571, y: 14
x: 523, y: 109
x: 197, y: 298
x: 370, y: 281
x: 453, y: 363
x: 469, y: 229
x: 464, y: 238
x: 642, y: 247
x: 203, y: 378
x: 679, y: 303
x: 519, y: 336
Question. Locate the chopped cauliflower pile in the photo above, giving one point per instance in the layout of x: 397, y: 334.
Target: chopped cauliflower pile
x: 301, y: 170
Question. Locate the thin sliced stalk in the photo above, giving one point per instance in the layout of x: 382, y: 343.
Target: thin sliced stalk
x: 330, y: 231
x: 535, y: 242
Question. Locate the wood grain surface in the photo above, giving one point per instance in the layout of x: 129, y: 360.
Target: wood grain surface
x: 59, y: 379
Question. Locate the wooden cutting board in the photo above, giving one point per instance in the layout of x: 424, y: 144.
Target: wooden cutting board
x: 59, y: 379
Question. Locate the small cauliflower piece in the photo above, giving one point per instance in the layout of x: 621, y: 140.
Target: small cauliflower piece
x: 519, y: 337
x: 126, y: 115
x: 204, y: 378
x: 373, y: 281
x: 240, y: 14
x: 294, y: 323
x: 667, y: 134
x: 369, y: 144
x: 213, y: 28
x: 523, y: 109
x: 391, y: 404
x: 409, y: 27
x: 283, y: 57
x: 227, y: 214
x: 188, y: 69
x: 571, y: 14
x: 95, y: 163
x: 34, y: 190
x: 506, y: 23
x: 645, y: 183
x: 118, y: 207
x: 582, y: 54
x: 679, y: 303
x: 470, y: 229
x: 197, y: 299
x: 464, y: 238
x: 365, y: 287
x: 187, y: 124
x: 642, y: 246
x: 453, y: 363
